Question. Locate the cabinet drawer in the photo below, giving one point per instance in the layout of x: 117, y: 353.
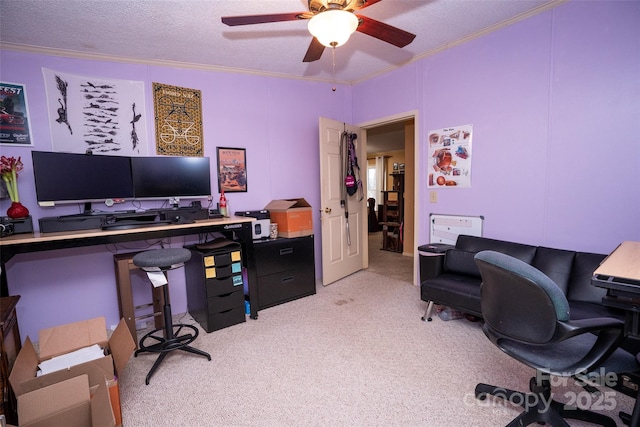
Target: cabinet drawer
x: 226, y: 301
x: 214, y: 287
x: 221, y: 259
x: 223, y: 319
x: 217, y: 258
x: 283, y: 254
x: 224, y: 271
x: 286, y: 286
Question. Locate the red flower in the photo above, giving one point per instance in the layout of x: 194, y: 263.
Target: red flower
x: 9, y: 168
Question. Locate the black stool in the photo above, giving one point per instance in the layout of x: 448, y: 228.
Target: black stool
x: 173, y: 338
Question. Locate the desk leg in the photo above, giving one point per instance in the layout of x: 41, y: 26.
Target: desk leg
x: 123, y: 266
x: 635, y: 416
x: 125, y: 295
x: 246, y: 237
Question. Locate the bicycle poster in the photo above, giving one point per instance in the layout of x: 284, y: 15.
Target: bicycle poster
x: 178, y: 113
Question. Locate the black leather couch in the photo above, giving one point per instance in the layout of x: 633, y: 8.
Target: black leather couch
x: 456, y: 281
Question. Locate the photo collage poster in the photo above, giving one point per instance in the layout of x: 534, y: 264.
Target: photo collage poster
x: 96, y: 115
x: 449, y: 157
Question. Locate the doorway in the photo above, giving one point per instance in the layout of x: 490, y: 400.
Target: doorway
x: 391, y: 142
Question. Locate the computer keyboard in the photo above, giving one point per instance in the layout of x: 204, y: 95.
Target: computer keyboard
x: 131, y: 224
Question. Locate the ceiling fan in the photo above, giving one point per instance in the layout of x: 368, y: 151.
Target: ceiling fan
x: 339, y: 20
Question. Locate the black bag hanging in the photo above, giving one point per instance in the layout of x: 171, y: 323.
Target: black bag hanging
x: 352, y: 180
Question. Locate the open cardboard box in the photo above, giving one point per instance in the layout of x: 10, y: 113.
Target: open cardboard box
x: 293, y: 217
x: 66, y: 338
x: 69, y: 403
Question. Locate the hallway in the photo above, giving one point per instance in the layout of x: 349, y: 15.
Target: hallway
x: 386, y: 263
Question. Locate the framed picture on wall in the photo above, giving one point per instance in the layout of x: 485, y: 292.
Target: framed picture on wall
x: 232, y: 170
x: 14, y: 116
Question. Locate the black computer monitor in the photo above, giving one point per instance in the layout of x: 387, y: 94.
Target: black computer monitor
x: 163, y: 177
x: 80, y: 178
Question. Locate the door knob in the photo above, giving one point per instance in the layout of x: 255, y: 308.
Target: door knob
x: 327, y: 210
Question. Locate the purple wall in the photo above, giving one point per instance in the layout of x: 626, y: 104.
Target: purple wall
x: 270, y: 117
x: 555, y: 104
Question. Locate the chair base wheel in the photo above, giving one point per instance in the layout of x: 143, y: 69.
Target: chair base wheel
x: 538, y: 408
x: 156, y: 342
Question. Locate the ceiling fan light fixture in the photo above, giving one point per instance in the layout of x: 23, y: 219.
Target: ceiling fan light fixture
x: 333, y: 28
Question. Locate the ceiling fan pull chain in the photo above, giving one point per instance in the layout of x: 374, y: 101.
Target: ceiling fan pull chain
x: 333, y: 69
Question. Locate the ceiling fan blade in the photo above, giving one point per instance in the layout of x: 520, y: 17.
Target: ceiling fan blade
x: 384, y: 32
x: 263, y: 19
x: 314, y: 52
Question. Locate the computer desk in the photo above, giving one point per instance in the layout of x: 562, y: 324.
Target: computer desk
x: 619, y: 274
x: 238, y: 228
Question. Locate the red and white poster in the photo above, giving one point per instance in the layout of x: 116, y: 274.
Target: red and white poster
x: 14, y: 117
x: 449, y: 161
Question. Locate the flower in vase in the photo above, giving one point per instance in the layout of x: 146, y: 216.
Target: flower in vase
x: 9, y: 168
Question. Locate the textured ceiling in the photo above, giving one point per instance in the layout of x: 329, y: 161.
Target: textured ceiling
x: 190, y: 33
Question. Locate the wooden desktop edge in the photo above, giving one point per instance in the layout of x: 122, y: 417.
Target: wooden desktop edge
x: 34, y: 242
x: 622, y: 263
x: 38, y: 237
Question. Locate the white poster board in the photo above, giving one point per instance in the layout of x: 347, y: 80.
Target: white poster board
x: 446, y: 228
x: 104, y: 116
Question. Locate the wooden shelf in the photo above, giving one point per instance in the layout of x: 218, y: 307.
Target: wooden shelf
x: 393, y: 215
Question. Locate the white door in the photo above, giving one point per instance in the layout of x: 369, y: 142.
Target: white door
x: 339, y: 258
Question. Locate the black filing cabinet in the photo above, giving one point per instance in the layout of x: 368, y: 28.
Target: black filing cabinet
x: 285, y: 270
x: 215, y: 287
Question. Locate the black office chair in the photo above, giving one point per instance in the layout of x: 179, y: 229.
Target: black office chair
x: 527, y: 316
x: 173, y: 336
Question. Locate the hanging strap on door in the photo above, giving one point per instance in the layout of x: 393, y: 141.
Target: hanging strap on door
x: 344, y: 160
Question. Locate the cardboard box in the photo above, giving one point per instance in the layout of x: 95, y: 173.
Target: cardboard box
x: 293, y: 216
x: 69, y: 403
x: 73, y: 336
x: 119, y: 348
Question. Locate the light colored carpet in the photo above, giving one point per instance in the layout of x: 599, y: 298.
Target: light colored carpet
x: 354, y: 354
x: 390, y: 264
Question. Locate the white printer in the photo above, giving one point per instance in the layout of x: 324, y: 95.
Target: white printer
x: 260, y: 227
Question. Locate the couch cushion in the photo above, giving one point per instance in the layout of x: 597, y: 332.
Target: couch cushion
x: 457, y: 261
x: 476, y: 244
x: 556, y: 264
x: 580, y: 286
x: 459, y: 291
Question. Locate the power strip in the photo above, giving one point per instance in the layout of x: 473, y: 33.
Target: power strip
x: 6, y: 230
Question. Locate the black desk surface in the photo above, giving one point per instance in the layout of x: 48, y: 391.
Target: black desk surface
x: 34, y: 242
